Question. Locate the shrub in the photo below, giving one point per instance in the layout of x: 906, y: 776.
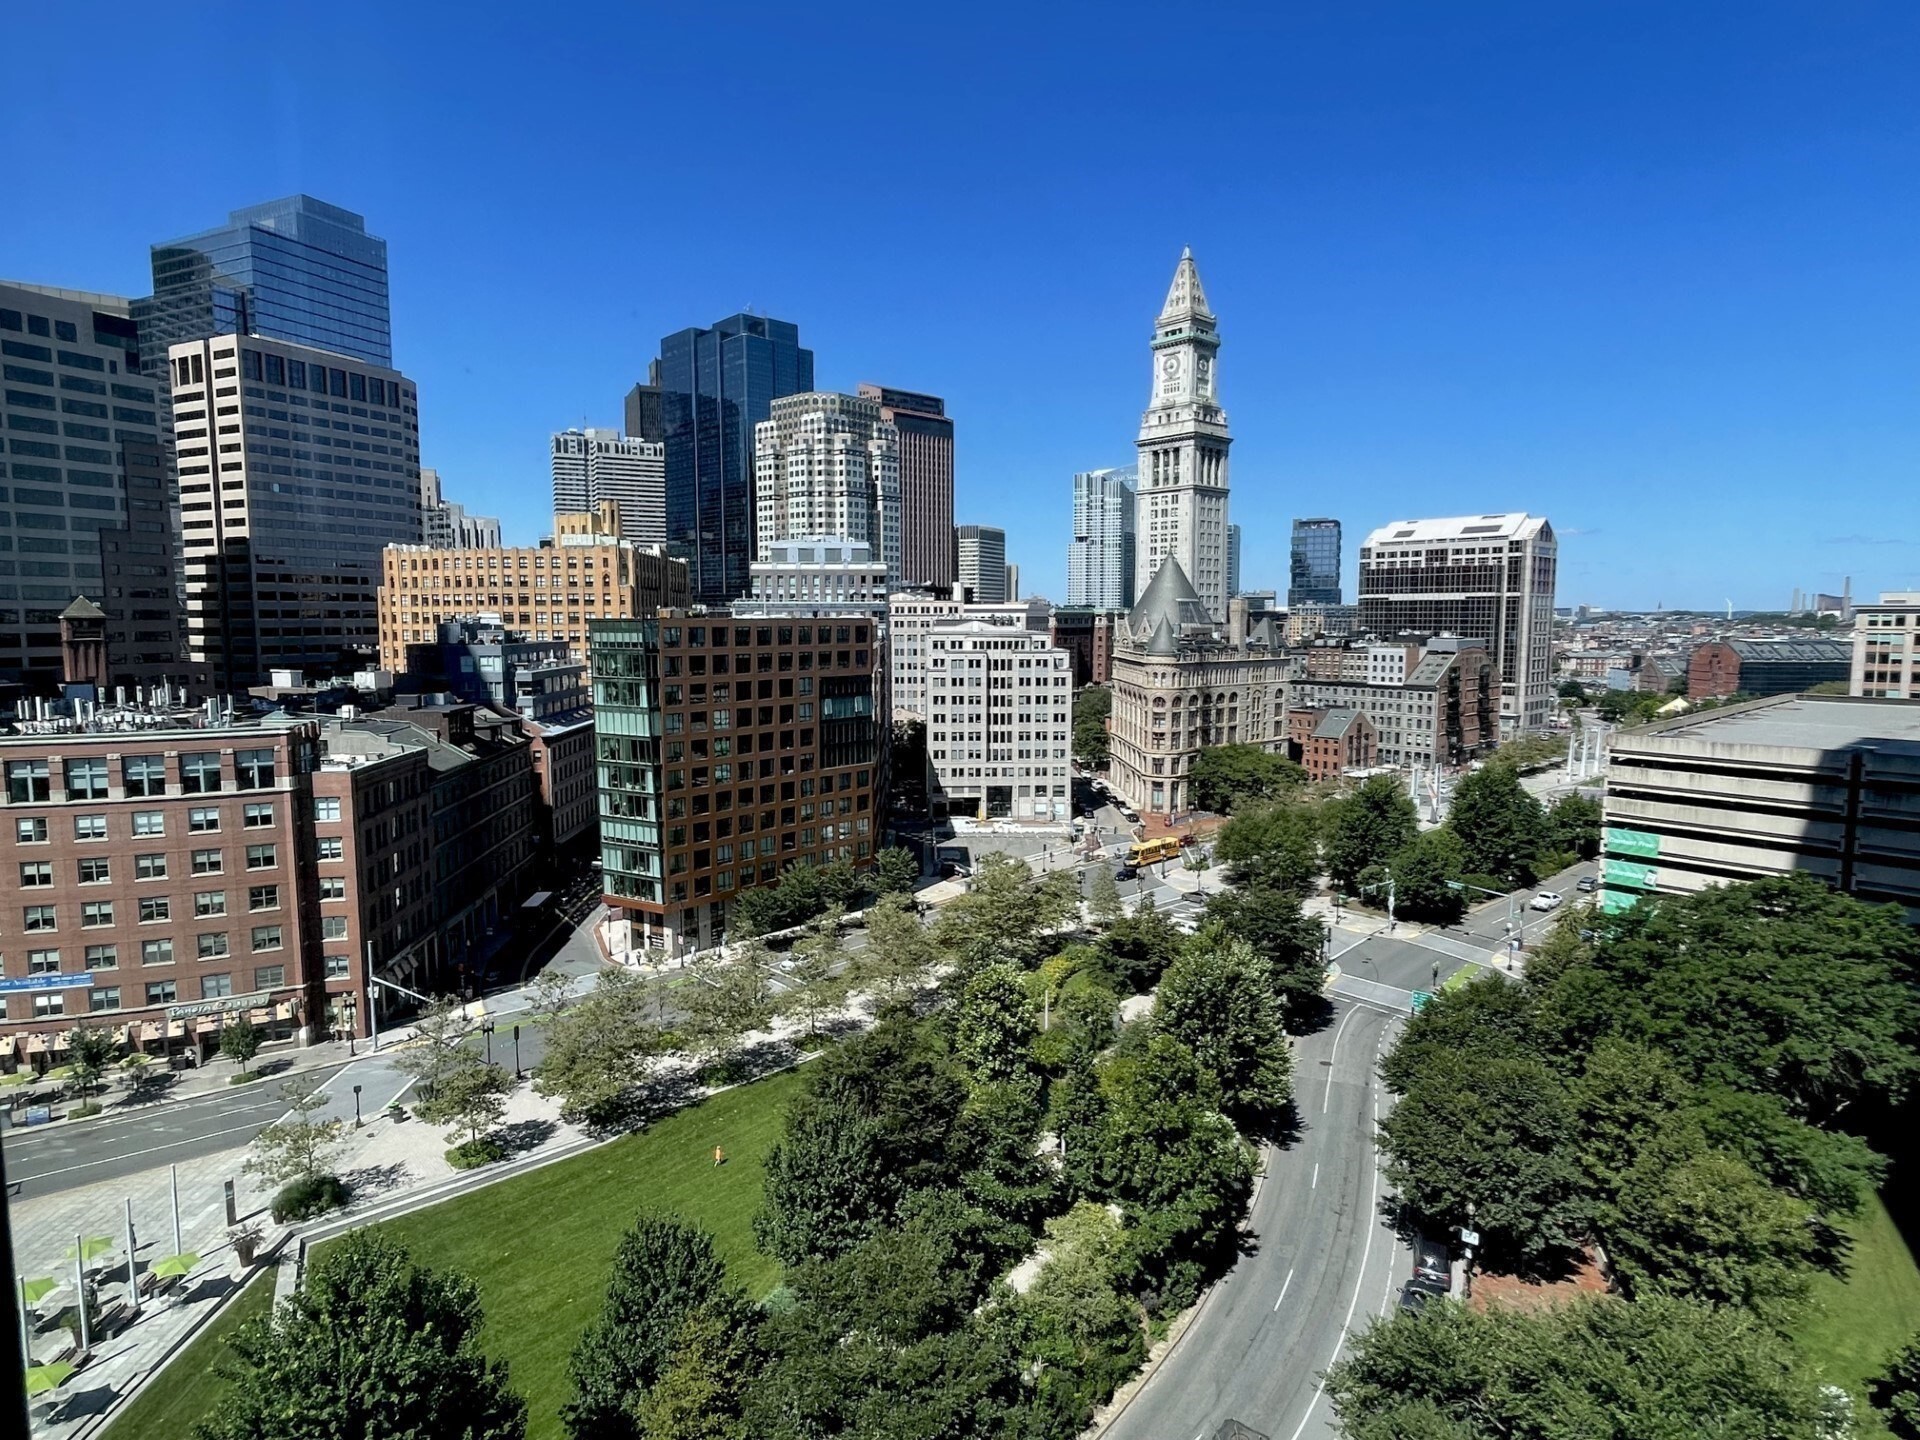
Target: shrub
x: 81, y: 1112
x: 246, y: 1077
x: 471, y: 1154
x: 304, y: 1199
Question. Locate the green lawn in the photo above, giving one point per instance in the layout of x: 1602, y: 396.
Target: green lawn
x: 1854, y: 1323
x: 186, y: 1390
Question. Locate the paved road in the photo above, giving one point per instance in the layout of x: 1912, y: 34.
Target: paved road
x: 1322, y: 1262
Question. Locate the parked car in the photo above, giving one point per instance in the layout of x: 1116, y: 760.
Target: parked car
x: 1417, y: 1296
x: 1432, y: 1261
x: 1546, y: 900
x: 1126, y: 872
x: 1588, y: 884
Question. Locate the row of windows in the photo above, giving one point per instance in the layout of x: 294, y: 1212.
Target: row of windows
x: 29, y: 781
x: 104, y: 999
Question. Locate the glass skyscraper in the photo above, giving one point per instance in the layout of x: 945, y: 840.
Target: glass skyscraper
x: 716, y: 384
x: 1314, y: 578
x: 295, y: 269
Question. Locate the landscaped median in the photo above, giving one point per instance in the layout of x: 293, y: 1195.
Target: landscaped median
x: 539, y: 1245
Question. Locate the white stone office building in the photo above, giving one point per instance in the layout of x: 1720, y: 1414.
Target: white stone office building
x: 912, y: 616
x: 823, y: 572
x: 1181, y: 510
x: 1001, y: 721
x: 827, y: 464
x: 448, y: 525
x: 1886, y: 647
x: 298, y: 467
x: 1100, y: 559
x: 1482, y: 575
x: 980, y: 564
x: 591, y: 467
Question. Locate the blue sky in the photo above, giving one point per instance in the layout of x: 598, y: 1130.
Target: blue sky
x: 1649, y: 269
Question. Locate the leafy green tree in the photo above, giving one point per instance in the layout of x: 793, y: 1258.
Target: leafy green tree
x: 470, y: 1095
x: 550, y: 993
x: 1424, y: 874
x: 896, y: 870
x: 1005, y: 1176
x: 1228, y: 776
x: 819, y: 976
x: 1497, y: 1134
x: 239, y: 1041
x: 725, y: 1000
x: 665, y: 1274
x: 702, y: 1392
x: 1291, y: 943
x: 839, y: 883
x: 439, y: 1036
x: 598, y: 1050
x: 899, y: 1076
x: 90, y: 1050
x: 1369, y: 827
x: 1139, y: 947
x: 1091, y: 707
x: 1832, y: 1171
x: 1895, y: 1391
x: 296, y: 1147
x: 1219, y: 1002
x: 1573, y: 824
x: 826, y: 1189
x: 1624, y: 1097
x: 1103, y: 897
x: 1276, y: 845
x: 1502, y: 828
x: 900, y: 954
x: 1005, y: 913
x: 1594, y: 1369
x: 994, y: 1027
x: 371, y: 1346
x: 1485, y: 1019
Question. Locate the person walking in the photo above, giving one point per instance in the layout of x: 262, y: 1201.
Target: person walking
x: 719, y: 1156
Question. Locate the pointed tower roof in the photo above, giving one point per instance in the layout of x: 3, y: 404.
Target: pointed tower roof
x: 1185, y: 298
x: 1170, y: 605
x: 83, y: 609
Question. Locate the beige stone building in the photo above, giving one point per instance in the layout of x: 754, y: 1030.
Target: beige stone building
x: 1182, y: 683
x: 547, y: 591
x: 1886, y: 648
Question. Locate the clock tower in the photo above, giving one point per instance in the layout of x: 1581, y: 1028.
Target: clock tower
x: 1181, y: 505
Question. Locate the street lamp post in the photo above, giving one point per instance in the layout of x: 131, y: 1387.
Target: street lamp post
x: 516, y: 1052
x: 356, y: 1107
x: 486, y: 1029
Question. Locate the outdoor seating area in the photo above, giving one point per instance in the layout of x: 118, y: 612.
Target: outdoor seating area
x: 37, y: 1054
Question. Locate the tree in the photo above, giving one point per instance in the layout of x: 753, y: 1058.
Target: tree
x: 240, y: 1041
x: 1219, y: 1002
x: 725, y: 1000
x: 1290, y: 942
x: 1496, y: 1134
x: 297, y: 1146
x: 900, y: 1076
x: 900, y: 953
x: 1276, y: 845
x: 993, y: 1027
x: 1091, y: 707
x: 1573, y: 825
x: 665, y: 1273
x: 1103, y: 897
x: 825, y: 1189
x: 1424, y: 873
x: 702, y: 1392
x: 1502, y: 828
x: 470, y: 1094
x: 1005, y: 1175
x: 549, y: 994
x: 839, y: 882
x: 1228, y: 776
x: 1485, y: 1019
x: 1593, y: 1368
x: 598, y: 1050
x: 1005, y: 913
x: 896, y: 870
x: 90, y: 1049
x: 1895, y: 1391
x: 1369, y: 827
x: 819, y: 974
x: 439, y: 1035
x: 371, y: 1346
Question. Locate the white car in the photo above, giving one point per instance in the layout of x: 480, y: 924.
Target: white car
x: 1546, y: 900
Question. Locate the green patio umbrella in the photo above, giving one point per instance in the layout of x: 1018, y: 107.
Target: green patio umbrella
x: 91, y: 1249
x: 39, y: 1288
x: 42, y: 1378
x: 176, y: 1264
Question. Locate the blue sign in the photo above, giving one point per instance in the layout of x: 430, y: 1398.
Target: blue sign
x: 45, y: 982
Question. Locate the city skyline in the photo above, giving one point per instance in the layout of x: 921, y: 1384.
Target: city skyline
x: 1612, y: 314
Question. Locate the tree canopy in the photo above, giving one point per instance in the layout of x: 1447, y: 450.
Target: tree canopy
x: 1225, y: 777
x: 1502, y: 828
x: 1367, y: 828
x: 1091, y: 707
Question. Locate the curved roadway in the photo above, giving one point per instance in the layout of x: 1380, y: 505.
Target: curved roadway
x: 1321, y: 1263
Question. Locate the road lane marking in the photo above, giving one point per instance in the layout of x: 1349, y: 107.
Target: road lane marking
x: 1283, y: 1287
x: 1332, y: 1055
x: 1316, y: 1176
x: 130, y: 1154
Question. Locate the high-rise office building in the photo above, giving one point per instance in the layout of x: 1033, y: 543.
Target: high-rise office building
x: 1233, y: 560
x: 980, y: 564
x: 87, y: 513
x: 1182, y: 481
x: 716, y: 385
x: 294, y: 269
x: 591, y: 467
x: 1482, y: 577
x: 1313, y: 577
x: 1000, y: 721
x: 285, y: 513
x: 827, y: 464
x: 1100, y: 559
x: 645, y: 419
x: 926, y: 483
x: 448, y: 525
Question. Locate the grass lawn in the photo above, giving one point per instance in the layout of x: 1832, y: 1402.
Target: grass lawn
x: 539, y: 1246
x: 1854, y: 1323
x: 186, y: 1391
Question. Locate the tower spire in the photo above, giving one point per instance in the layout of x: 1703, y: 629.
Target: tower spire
x: 1185, y: 298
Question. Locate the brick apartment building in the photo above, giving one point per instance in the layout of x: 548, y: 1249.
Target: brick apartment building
x: 1329, y: 743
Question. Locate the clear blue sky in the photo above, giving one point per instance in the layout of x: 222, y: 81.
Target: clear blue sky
x: 1651, y: 269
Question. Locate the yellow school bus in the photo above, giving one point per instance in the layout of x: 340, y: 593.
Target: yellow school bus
x: 1150, y: 852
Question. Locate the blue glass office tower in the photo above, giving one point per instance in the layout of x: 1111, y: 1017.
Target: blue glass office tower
x: 1314, y: 577
x: 715, y: 386
x: 294, y: 269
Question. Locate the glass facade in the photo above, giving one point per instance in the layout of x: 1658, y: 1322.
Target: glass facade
x: 1314, y: 578
x: 716, y: 384
x: 294, y: 269
x: 623, y: 666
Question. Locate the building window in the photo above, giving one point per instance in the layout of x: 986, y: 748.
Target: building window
x: 27, y: 781
x: 333, y: 927
x: 333, y: 887
x: 149, y: 822
x: 86, y: 779
x: 266, y: 937
x: 269, y: 977
x: 43, y: 962
x: 257, y: 815
x: 35, y: 873
x: 212, y: 946
x: 338, y: 967
x: 32, y: 830
x: 263, y: 897
x: 46, y: 1006
x: 39, y: 917
x: 210, y: 902
x: 162, y: 992
x: 154, y: 908
x: 103, y: 997
x: 216, y: 987
x: 261, y: 857
x: 207, y: 862
x: 326, y: 807
x: 203, y: 819
x: 89, y: 827
x: 331, y: 847
x: 96, y: 913
x: 254, y: 769
x: 143, y: 774
x: 103, y: 957
x: 150, y: 867
x: 156, y: 952
x: 200, y: 774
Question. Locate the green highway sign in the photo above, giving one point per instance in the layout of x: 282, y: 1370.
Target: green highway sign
x: 1632, y: 842
x: 1421, y: 998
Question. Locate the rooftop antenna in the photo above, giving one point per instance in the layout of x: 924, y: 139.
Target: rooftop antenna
x: 1729, y: 609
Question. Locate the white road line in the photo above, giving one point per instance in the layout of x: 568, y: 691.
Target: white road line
x: 1333, y: 1055
x: 130, y: 1154
x: 1366, y: 1252
x: 1316, y: 1176
x: 1386, y: 1294
x: 1283, y: 1288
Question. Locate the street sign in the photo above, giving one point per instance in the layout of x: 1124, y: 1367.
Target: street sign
x: 1469, y: 1238
x: 1421, y: 999
x: 224, y: 1005
x: 46, y: 982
